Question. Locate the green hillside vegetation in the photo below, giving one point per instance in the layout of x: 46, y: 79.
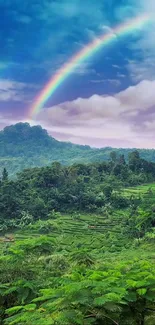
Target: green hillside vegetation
x: 22, y: 146
x: 77, y: 244
x: 64, y: 278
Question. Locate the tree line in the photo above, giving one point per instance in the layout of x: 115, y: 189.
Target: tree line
x: 80, y: 187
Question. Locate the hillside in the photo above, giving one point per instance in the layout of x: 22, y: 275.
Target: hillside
x: 77, y: 244
x: 23, y: 146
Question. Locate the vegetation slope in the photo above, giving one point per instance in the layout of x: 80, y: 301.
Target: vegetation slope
x: 77, y: 244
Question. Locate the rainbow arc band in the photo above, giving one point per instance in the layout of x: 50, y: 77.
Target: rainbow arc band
x: 90, y: 49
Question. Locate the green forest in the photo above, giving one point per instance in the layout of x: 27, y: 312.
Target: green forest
x: 23, y: 146
x: 77, y: 242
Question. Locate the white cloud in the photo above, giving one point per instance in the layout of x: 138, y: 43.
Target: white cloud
x: 115, y: 66
x: 6, y: 84
x: 11, y: 90
x: 7, y: 119
x: 120, y: 75
x: 141, y: 96
x: 114, y: 82
x: 143, y: 66
x: 107, y: 30
x: 103, y: 120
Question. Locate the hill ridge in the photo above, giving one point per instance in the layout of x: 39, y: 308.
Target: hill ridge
x: 31, y: 146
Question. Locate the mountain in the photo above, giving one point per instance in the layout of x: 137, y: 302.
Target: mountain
x: 23, y: 146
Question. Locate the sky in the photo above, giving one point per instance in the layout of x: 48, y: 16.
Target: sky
x: 109, y: 99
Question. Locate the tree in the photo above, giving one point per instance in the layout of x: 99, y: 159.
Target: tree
x: 107, y: 191
x: 122, y: 160
x: 134, y: 161
x: 4, y: 175
x: 113, y: 156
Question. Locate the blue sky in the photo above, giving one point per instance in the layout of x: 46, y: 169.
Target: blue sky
x: 37, y: 37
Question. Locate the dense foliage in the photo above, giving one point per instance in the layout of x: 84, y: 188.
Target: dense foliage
x: 77, y: 244
x: 90, y: 188
x: 22, y: 146
x: 75, y: 275
x: 46, y: 281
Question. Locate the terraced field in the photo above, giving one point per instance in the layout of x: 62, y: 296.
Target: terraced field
x: 87, y: 226
x: 81, y: 225
x: 146, y: 191
x: 92, y: 231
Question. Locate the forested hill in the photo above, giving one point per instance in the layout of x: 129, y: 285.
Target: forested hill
x: 23, y: 146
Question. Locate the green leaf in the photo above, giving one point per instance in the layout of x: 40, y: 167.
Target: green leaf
x: 150, y: 295
x: 131, y: 296
x: 131, y: 283
x: 30, y: 307
x: 13, y: 310
x: 100, y: 301
x: 142, y: 291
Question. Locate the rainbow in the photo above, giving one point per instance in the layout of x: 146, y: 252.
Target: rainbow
x: 81, y: 56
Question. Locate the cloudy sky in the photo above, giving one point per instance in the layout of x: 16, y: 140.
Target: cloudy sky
x: 109, y: 99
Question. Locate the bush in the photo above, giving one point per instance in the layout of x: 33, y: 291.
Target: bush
x: 120, y: 202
